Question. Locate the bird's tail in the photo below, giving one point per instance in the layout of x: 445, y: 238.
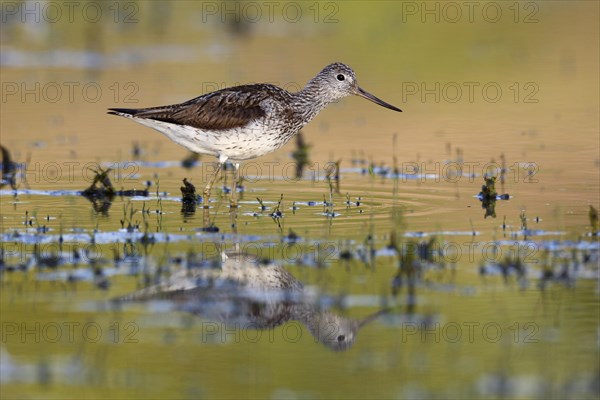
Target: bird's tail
x: 124, y: 112
x: 156, y: 113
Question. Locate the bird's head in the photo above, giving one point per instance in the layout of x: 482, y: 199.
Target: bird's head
x: 338, y: 80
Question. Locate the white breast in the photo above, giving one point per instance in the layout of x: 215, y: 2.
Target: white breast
x: 253, y: 140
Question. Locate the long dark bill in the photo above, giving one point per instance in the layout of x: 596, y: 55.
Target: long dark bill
x: 363, y: 93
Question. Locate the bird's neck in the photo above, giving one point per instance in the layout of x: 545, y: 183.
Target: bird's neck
x: 320, y: 323
x: 310, y: 101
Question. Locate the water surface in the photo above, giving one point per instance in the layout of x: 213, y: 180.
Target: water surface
x: 489, y: 308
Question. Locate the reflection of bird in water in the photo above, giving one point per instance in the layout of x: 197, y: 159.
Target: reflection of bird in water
x: 242, y: 292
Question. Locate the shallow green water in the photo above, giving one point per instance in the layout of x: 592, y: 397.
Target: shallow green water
x: 456, y: 327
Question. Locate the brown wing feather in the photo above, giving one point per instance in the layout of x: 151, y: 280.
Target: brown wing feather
x: 221, y: 110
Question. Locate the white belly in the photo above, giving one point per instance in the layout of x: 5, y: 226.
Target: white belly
x: 253, y: 140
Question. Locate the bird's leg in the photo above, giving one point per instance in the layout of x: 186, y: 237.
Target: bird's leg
x: 236, y: 177
x: 211, y: 180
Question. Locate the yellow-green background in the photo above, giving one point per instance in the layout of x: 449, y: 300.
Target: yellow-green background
x: 174, y: 51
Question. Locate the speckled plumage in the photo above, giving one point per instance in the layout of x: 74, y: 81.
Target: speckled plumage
x: 248, y: 121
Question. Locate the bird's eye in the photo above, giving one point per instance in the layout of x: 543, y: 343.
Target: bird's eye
x: 340, y: 77
x: 341, y: 337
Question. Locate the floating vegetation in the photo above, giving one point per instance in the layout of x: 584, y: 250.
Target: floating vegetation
x: 189, y: 198
x: 190, y: 161
x: 511, y: 264
x: 300, y: 155
x: 277, y: 212
x: 548, y: 262
x: 565, y: 266
x: 349, y: 203
x: 262, y: 205
x: 292, y: 237
x: 460, y: 155
x: 102, y: 192
x: 102, y: 188
x: 408, y: 272
x: 523, y: 219
x: 488, y: 196
x: 593, y: 216
x: 333, y: 176
x: 328, y: 205
x: 503, y: 171
x: 294, y: 207
x: 524, y: 229
x: 9, y: 169
x: 358, y: 158
x: 488, y: 191
x: 136, y: 150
